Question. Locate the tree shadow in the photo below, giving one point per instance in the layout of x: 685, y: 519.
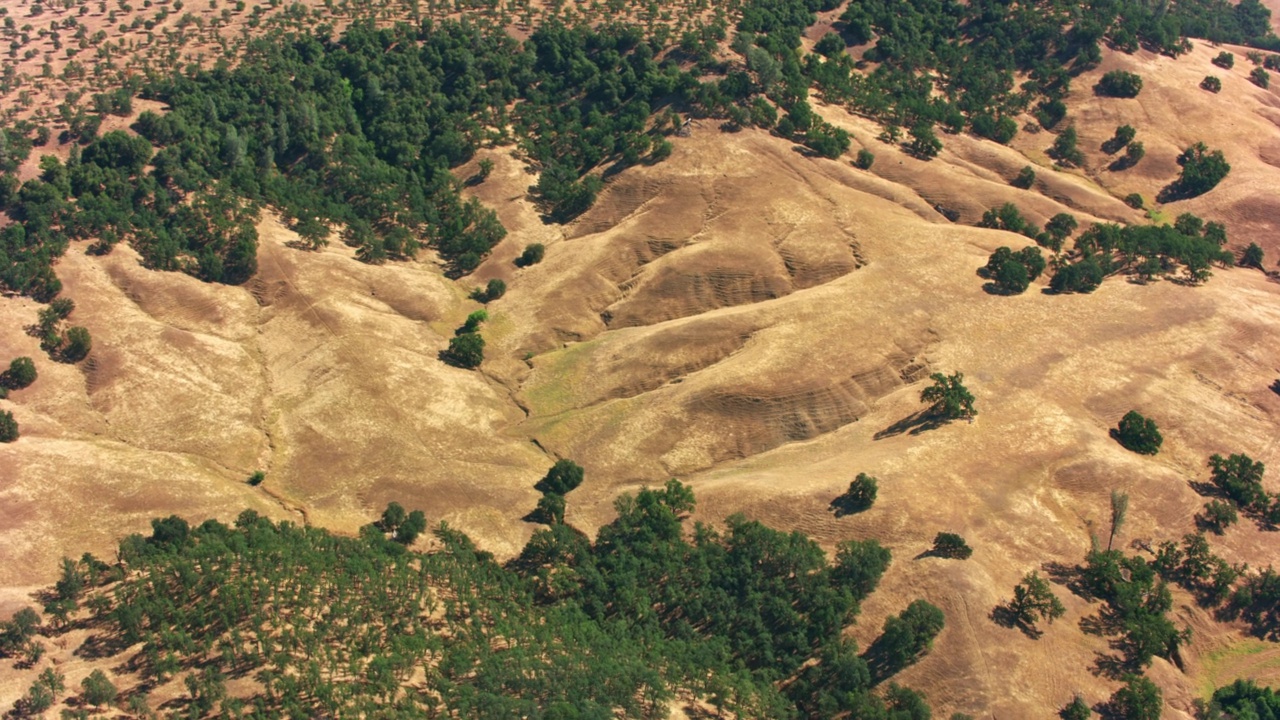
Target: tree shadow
x: 1007, y: 618
x: 913, y: 424
x: 1110, y: 666
x: 1275, y: 387
x: 842, y: 506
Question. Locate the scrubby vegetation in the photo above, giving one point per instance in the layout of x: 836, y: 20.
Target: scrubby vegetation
x: 749, y: 618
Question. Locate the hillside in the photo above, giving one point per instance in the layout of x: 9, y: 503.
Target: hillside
x: 745, y: 315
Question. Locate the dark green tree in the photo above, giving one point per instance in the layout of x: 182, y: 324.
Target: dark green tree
x: 1139, y: 434
x: 532, y: 255
x: 98, y: 690
x: 1252, y: 256
x: 78, y: 345
x: 860, y: 496
x: 1138, y: 699
x: 1119, y: 84
x: 1025, y: 178
x: 21, y: 373
x: 951, y: 545
x: 8, y: 427
x: 865, y: 159
x: 465, y: 351
x: 1033, y: 600
x: 924, y: 143
x: 1077, y: 709
x: 1211, y: 83
x: 948, y: 397
x: 562, y: 478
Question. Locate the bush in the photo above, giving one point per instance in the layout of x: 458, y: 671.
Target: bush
x: 951, y: 545
x: 1138, y: 699
x: 78, y: 345
x: 256, y: 478
x: 532, y: 255
x: 1225, y: 60
x: 1119, y: 84
x: 1251, y: 257
x: 1138, y: 434
x: 1219, y: 515
x: 865, y: 159
x: 1202, y: 170
x: 492, y: 291
x: 1211, y: 83
x: 1025, y: 179
x: 1135, y: 201
x: 1081, y: 277
x: 1260, y: 77
x: 21, y: 373
x: 1124, y: 135
x: 8, y: 427
x: 1064, y: 148
x: 860, y: 496
x: 924, y: 144
x: 465, y: 351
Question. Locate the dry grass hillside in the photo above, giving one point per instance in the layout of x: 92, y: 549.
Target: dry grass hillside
x: 743, y: 316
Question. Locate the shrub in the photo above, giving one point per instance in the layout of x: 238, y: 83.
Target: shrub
x: 1135, y: 201
x: 1124, y: 135
x: 532, y: 255
x: 951, y: 545
x: 465, y: 351
x: 256, y: 478
x: 1064, y: 148
x: 865, y: 159
x: 1225, y: 60
x: 78, y: 345
x: 1251, y: 257
x: 1119, y: 84
x: 1219, y: 515
x: 1025, y: 179
x: 924, y: 143
x: 21, y: 373
x: 492, y: 291
x: 1202, y: 170
x: 860, y: 496
x: 1260, y: 77
x: 1138, y: 434
x: 8, y: 427
x: 1211, y: 83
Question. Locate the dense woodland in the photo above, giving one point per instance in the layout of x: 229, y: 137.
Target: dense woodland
x: 334, y: 626
x: 355, y: 135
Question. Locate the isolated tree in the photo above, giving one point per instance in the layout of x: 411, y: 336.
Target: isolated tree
x: 98, y: 689
x: 865, y: 159
x: 78, y: 344
x: 466, y: 351
x: 1211, y: 83
x: 1033, y: 600
x: 473, y: 321
x: 561, y: 479
x: 1138, y: 699
x: 1225, y: 60
x: 1252, y: 256
x: 951, y: 545
x: 1123, y: 136
x: 21, y: 373
x: 1119, y: 84
x: 949, y: 397
x: 1025, y: 178
x: 860, y: 496
x: 1139, y: 434
x: 532, y: 255
x: 1260, y: 77
x: 492, y: 291
x: 8, y: 427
